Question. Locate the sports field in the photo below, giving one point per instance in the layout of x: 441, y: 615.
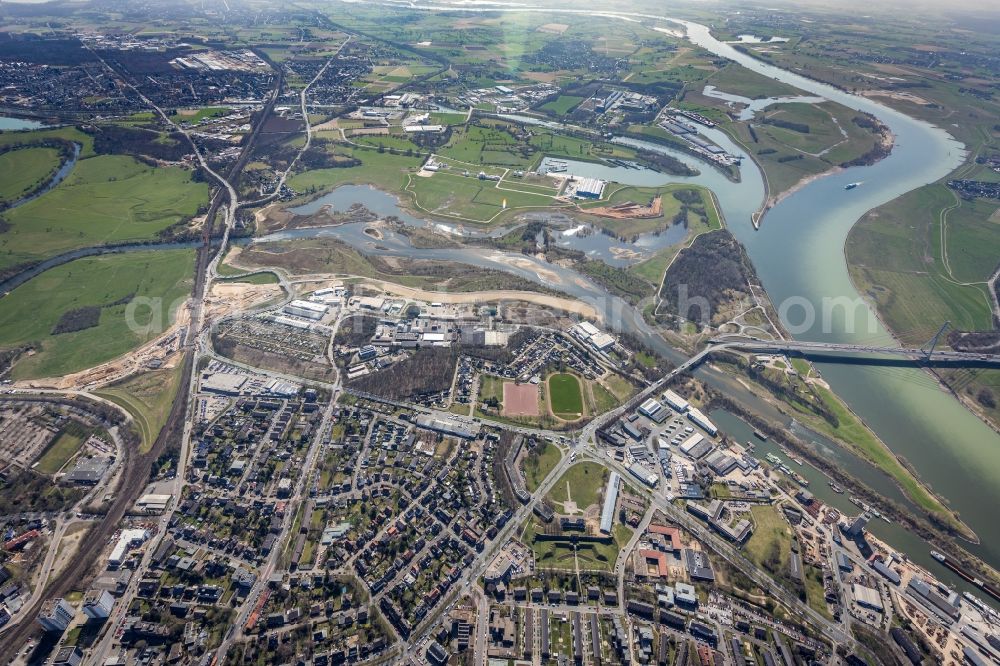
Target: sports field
x: 520, y: 399
x: 565, y: 396
x: 64, y: 447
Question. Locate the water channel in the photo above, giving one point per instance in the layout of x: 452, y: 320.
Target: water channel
x: 798, y: 255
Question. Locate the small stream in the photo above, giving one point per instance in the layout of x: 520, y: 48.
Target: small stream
x: 64, y: 170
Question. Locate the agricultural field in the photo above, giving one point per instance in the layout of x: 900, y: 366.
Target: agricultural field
x: 106, y: 199
x: 76, y: 315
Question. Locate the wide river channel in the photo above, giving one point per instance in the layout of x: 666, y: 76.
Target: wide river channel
x: 799, y: 255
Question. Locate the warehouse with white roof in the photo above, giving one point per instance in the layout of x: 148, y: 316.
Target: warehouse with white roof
x: 305, y: 309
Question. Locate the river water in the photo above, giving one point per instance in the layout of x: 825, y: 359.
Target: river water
x: 799, y: 256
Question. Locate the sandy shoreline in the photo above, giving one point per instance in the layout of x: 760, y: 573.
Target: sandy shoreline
x: 781, y: 196
x: 554, y: 302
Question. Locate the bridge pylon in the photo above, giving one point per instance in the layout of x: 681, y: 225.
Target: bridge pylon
x: 928, y: 347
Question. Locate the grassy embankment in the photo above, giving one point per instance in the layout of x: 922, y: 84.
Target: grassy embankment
x: 813, y: 399
x: 31, y: 312
x: 148, y: 398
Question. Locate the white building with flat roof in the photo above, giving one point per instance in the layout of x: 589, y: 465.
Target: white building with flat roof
x: 585, y: 330
x: 610, y: 500
x: 602, y: 341
x: 305, y: 309
x: 677, y: 403
x: 223, y: 383
x: 696, y: 417
x: 128, y: 540
x: 650, y: 408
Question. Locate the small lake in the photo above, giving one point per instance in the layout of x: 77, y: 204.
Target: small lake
x: 15, y: 124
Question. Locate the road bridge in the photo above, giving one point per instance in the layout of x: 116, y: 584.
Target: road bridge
x: 850, y: 353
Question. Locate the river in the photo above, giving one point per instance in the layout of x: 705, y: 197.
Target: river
x: 799, y: 256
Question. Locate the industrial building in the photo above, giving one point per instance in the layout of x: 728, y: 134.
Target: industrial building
x: 654, y: 410
x: 930, y: 599
x: 446, y: 427
x: 590, y: 188
x: 695, y: 446
x: 700, y: 420
x: 887, y: 572
x: 305, y: 309
x: 644, y: 475
x: 291, y: 323
x: 720, y: 462
x: 88, y: 471
x: 866, y: 596
x: 587, y: 332
x: 153, y: 502
x: 223, y: 383
x: 413, y: 129
x: 677, y: 403
x: 610, y: 500
x: 128, y: 540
